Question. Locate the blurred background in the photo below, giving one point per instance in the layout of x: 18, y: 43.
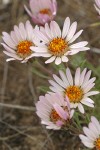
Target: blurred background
x: 21, y: 84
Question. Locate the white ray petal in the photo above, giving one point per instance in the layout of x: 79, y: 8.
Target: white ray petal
x: 77, y: 76
x: 39, y: 49
x: 10, y: 59
x: 87, y: 76
x: 87, y: 103
x: 87, y: 99
x: 87, y: 144
x: 56, y: 85
x: 50, y: 60
x: 55, y: 29
x: 64, y: 78
x: 59, y: 81
x: 12, y: 55
x: 76, y: 36
x: 94, y: 129
x: 91, y: 93
x: 89, y: 87
x: 41, y: 36
x: 14, y: 38
x: 82, y: 75
x: 69, y: 76
x: 81, y: 108
x: 79, y: 44
x: 8, y: 48
x: 7, y: 39
x: 53, y: 89
x: 89, y: 133
x: 19, y: 35
x: 89, y: 82
x: 72, y: 31
x: 96, y: 123
x: 58, y: 60
x: 48, y: 31
x: 22, y: 31
x: 30, y: 31
x: 64, y: 59
x: 66, y: 27
x: 84, y: 138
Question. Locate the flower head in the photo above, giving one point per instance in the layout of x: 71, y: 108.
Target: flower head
x: 58, y: 45
x: 42, y: 11
x: 77, y: 89
x: 91, y: 139
x: 97, y: 6
x: 17, y: 43
x: 54, y: 111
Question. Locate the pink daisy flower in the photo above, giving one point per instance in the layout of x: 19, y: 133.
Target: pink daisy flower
x: 42, y: 11
x: 54, y: 111
x: 97, y: 6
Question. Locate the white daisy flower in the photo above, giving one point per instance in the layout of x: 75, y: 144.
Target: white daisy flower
x: 54, y: 111
x: 91, y: 139
x: 58, y: 45
x: 77, y: 89
x: 97, y: 6
x: 17, y: 43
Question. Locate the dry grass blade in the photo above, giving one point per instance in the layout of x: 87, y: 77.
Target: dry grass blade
x: 16, y: 134
x: 17, y: 107
x: 47, y: 139
x: 95, y: 50
x: 30, y: 77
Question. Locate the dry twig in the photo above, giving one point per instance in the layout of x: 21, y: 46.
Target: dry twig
x: 3, y: 86
x: 7, y: 145
x: 17, y: 130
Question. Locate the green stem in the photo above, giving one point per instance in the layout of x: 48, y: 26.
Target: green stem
x: 43, y: 68
x: 73, y: 129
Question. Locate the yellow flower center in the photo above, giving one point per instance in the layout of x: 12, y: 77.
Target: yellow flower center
x: 45, y: 11
x: 58, y: 46
x: 55, y: 116
x: 23, y: 49
x: 74, y: 93
x: 97, y: 144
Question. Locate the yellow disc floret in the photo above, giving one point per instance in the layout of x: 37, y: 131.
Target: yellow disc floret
x: 74, y: 93
x: 54, y: 116
x: 58, y: 46
x: 45, y: 11
x: 23, y: 49
x: 97, y: 144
